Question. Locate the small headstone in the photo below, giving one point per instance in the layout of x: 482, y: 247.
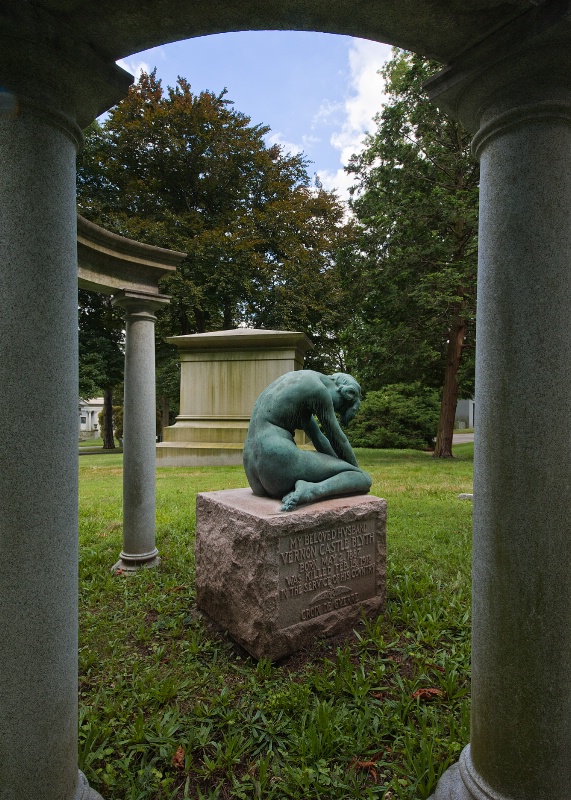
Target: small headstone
x: 465, y: 496
x: 277, y: 581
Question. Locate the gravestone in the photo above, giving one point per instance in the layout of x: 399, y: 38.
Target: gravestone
x: 277, y: 581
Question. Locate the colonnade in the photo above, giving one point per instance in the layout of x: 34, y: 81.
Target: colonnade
x: 130, y: 271
x: 520, y: 109
x: 510, y: 84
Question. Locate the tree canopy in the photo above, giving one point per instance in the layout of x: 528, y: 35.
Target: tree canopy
x: 189, y: 172
x: 412, y: 275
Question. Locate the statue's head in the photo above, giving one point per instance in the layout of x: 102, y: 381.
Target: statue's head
x: 349, y: 393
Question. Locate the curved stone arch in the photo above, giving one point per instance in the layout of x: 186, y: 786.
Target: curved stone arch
x: 441, y: 29
x: 109, y: 263
x: 89, y: 37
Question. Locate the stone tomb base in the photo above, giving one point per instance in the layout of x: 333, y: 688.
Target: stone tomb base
x: 277, y: 581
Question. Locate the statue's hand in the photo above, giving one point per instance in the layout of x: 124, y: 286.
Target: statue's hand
x: 340, y: 444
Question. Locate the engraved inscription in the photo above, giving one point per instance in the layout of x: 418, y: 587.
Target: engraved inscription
x: 324, y: 570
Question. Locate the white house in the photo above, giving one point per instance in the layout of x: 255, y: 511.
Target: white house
x: 89, y: 417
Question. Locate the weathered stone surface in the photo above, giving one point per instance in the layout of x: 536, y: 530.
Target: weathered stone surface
x: 222, y: 374
x: 276, y: 581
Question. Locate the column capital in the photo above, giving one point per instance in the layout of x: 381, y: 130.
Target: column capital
x: 521, y: 73
x: 140, y: 304
x: 51, y: 70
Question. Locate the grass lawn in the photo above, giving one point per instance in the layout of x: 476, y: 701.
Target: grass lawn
x: 171, y: 708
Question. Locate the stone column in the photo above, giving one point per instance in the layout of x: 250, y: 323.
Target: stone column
x: 520, y: 107
x: 47, y: 97
x: 38, y: 477
x: 139, y: 431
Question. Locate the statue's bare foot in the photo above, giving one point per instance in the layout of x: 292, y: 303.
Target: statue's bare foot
x: 304, y: 492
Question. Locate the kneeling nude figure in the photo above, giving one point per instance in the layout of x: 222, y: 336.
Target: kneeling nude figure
x: 276, y: 467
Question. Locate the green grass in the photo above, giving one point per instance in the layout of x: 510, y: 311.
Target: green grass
x: 96, y: 442
x: 171, y: 708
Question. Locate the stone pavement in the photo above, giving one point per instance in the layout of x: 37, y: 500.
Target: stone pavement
x: 89, y: 451
x: 460, y: 438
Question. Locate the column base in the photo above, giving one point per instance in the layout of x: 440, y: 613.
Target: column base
x: 133, y: 563
x: 462, y: 782
x: 84, y: 791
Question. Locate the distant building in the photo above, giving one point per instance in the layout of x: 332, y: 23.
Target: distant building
x: 89, y: 417
x: 465, y: 414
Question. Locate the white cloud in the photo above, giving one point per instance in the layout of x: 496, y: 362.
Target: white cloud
x: 339, y: 182
x: 134, y: 67
x: 327, y: 112
x: 363, y: 101
x: 308, y: 140
x: 288, y: 147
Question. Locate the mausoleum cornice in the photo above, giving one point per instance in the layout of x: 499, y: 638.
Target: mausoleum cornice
x: 239, y: 338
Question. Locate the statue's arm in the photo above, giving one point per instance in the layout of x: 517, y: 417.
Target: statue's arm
x: 339, y: 442
x: 320, y: 442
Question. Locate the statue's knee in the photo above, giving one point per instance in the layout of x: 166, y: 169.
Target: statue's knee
x: 368, y: 481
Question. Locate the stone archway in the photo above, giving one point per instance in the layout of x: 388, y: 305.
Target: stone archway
x: 507, y: 76
x: 131, y: 271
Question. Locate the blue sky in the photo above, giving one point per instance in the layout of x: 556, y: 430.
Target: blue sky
x: 318, y: 92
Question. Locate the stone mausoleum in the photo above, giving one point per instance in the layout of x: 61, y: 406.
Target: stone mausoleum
x: 221, y: 376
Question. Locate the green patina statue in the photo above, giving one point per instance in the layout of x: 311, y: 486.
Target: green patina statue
x: 276, y: 467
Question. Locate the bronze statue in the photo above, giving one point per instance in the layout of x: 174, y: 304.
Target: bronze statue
x: 276, y: 467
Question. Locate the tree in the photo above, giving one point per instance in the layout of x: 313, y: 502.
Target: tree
x: 413, y: 273
x: 101, y: 359
x: 189, y: 172
x: 402, y: 415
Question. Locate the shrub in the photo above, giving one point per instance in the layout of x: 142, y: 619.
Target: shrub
x: 117, y: 422
x: 403, y: 415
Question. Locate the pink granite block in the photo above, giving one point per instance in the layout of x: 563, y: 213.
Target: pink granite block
x: 277, y: 581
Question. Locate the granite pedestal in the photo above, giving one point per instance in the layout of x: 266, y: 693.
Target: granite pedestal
x: 277, y: 581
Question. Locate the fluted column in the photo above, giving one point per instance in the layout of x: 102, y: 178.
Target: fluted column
x: 520, y: 108
x: 139, y: 431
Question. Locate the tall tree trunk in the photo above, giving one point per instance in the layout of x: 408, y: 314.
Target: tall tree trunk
x: 200, y: 320
x: 227, y: 318
x: 108, y: 439
x: 443, y: 448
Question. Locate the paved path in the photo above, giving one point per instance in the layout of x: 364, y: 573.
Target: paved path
x: 89, y: 451
x: 460, y: 438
